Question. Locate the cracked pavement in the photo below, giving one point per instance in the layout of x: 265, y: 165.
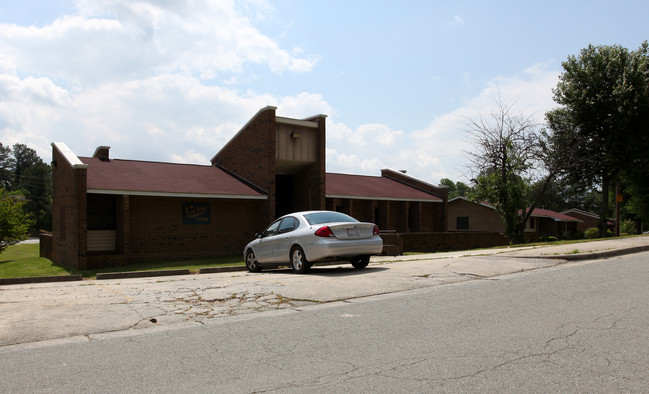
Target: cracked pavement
x: 468, y: 324
x: 46, y: 311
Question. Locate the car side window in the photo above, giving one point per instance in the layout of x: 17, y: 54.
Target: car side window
x: 288, y: 224
x: 271, y: 230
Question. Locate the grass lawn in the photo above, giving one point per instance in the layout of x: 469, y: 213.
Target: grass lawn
x: 22, y: 260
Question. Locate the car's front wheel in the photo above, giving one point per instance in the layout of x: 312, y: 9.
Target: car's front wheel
x: 360, y: 262
x: 298, y: 260
x: 251, y: 261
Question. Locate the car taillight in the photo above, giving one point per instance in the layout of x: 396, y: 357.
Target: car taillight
x: 324, y: 232
x: 376, y: 230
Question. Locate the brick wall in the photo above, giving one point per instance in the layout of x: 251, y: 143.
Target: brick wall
x: 435, y: 215
x: 441, y: 242
x: 397, y: 216
x: 587, y: 221
x: 481, y: 218
x: 45, y: 245
x: 68, y: 212
x: 157, y: 232
x: 251, y: 156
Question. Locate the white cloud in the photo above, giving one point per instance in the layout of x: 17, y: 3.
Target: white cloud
x: 352, y: 164
x: 133, y: 75
x: 141, y: 78
x: 113, y: 40
x: 438, y: 150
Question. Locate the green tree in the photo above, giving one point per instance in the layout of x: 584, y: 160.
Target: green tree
x: 462, y: 189
x: 6, y: 166
x: 23, y: 171
x: 14, y: 222
x: 455, y: 189
x: 36, y: 184
x: 23, y: 159
x: 509, y: 151
x: 604, y: 119
x: 451, y: 187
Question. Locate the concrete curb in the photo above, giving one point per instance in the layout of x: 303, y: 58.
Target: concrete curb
x: 141, y: 274
x: 40, y: 279
x: 215, y: 270
x: 590, y: 256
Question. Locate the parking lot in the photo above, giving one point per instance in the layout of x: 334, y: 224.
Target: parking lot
x: 84, y: 309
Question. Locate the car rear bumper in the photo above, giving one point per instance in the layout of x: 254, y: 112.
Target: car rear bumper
x: 327, y: 248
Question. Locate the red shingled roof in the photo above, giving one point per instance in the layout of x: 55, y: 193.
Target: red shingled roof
x: 559, y: 217
x: 144, y: 177
x: 372, y: 187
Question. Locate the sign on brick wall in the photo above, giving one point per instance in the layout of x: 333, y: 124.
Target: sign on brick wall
x: 196, y: 213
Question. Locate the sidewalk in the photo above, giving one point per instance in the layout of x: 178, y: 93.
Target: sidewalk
x: 571, y: 252
x: 81, y: 311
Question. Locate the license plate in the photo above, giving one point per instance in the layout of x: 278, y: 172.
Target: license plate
x: 354, y: 232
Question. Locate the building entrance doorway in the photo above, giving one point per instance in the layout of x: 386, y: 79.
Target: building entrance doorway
x: 283, y: 194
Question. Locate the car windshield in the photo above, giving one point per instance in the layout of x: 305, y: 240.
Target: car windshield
x: 327, y: 217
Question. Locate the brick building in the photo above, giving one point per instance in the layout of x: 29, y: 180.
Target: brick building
x: 588, y: 219
x: 466, y: 215
x: 111, y: 212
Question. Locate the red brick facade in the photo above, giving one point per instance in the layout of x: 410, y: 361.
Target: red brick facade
x: 156, y: 229
x: 479, y: 217
x: 109, y: 212
x: 252, y: 156
x: 68, y: 211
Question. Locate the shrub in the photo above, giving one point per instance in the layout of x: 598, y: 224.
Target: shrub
x: 627, y: 227
x: 592, y: 232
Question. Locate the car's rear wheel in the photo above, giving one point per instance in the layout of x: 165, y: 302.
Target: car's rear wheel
x: 251, y: 261
x: 298, y: 260
x: 360, y: 262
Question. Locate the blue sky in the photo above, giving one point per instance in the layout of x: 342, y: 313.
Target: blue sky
x: 173, y: 80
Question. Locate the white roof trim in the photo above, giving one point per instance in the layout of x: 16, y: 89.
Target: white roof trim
x: 170, y: 194
x: 381, y: 198
x: 69, y: 156
x: 580, y: 212
x: 556, y: 219
x: 405, y: 175
x: 467, y: 200
x: 296, y: 122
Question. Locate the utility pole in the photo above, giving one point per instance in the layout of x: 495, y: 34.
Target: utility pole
x: 618, y: 200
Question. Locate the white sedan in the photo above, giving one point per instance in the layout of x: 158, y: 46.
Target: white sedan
x: 304, y: 238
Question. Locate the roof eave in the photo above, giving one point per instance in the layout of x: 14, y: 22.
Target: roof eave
x: 174, y: 194
x: 381, y: 198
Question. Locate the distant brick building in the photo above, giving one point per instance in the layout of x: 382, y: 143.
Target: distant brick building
x: 112, y: 212
x: 466, y: 215
x: 588, y: 219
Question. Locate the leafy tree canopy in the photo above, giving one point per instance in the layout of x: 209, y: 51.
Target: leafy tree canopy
x: 455, y: 189
x: 23, y: 171
x: 14, y: 222
x: 602, y: 126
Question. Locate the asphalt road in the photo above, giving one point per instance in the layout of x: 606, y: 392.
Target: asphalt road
x: 577, y: 327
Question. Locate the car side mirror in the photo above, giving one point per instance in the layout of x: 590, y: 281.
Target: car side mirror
x: 258, y: 235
